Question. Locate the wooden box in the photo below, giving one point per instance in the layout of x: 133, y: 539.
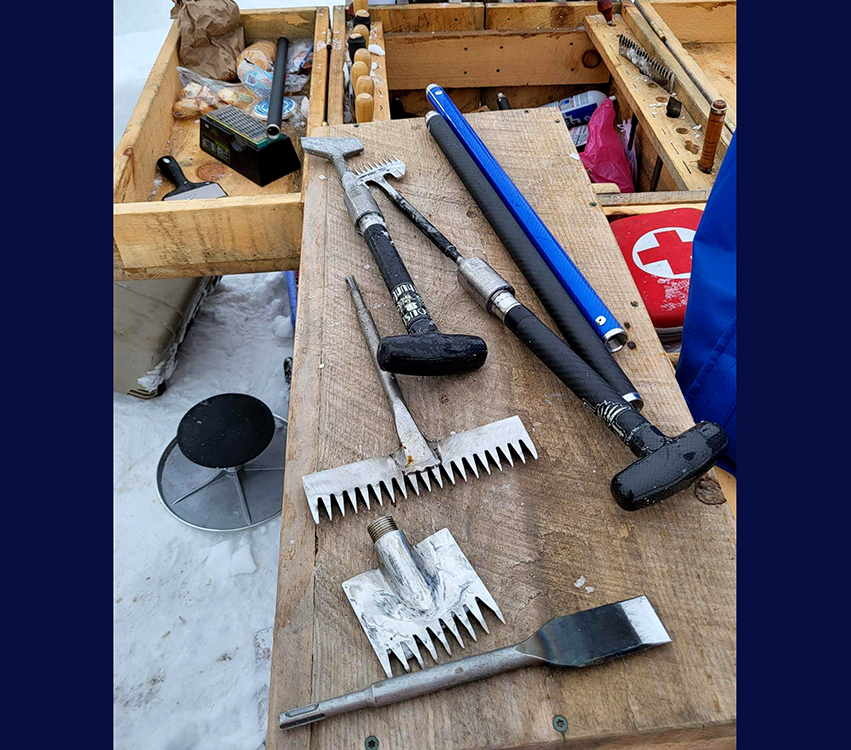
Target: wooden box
x: 253, y: 229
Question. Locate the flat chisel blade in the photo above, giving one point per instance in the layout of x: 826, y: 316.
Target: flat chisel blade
x: 598, y: 635
x: 198, y: 191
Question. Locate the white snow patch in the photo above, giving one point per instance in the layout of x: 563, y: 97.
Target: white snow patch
x: 242, y: 563
x: 282, y: 326
x: 376, y: 50
x: 579, y: 582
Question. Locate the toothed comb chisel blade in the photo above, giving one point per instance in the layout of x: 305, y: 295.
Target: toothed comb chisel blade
x: 494, y: 443
x: 646, y: 63
x: 416, y: 595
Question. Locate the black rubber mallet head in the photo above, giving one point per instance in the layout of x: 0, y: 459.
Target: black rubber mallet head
x: 666, y: 465
x: 433, y: 353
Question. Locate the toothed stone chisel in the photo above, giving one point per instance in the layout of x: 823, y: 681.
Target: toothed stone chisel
x: 414, y: 593
x: 417, y: 460
x: 583, y: 639
x: 424, y: 350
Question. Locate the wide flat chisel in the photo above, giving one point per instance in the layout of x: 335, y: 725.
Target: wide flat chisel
x: 582, y: 639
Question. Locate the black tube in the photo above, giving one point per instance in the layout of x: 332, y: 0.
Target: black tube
x: 657, y: 172
x: 276, y: 95
x: 552, y: 294
x: 502, y: 101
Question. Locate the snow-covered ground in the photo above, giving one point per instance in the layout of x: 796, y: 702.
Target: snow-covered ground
x: 193, y: 610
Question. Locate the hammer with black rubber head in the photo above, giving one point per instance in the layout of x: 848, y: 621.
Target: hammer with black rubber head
x: 424, y: 350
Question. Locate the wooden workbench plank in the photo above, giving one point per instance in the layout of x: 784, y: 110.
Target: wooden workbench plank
x: 561, y: 15
x: 209, y: 231
x: 270, y: 23
x: 429, y: 17
x: 676, y: 140
x: 336, y: 61
x: 490, y: 58
x: 706, y: 21
x: 378, y: 73
x: 530, y: 531
x: 292, y: 645
x: 319, y: 71
x: 718, y: 62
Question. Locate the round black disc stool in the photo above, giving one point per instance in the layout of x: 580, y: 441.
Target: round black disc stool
x: 225, y: 469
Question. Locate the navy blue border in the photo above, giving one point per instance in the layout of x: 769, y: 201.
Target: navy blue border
x: 793, y: 143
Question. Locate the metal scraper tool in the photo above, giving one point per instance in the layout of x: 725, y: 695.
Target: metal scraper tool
x: 583, y: 639
x: 416, y: 592
x: 185, y: 190
x: 417, y: 460
x: 646, y: 63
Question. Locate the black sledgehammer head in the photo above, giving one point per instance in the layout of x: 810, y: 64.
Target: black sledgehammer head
x: 671, y: 467
x: 431, y: 354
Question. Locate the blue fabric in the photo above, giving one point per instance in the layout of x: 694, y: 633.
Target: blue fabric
x: 707, y: 367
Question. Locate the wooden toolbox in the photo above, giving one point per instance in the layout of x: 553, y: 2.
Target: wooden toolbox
x: 535, y: 531
x: 534, y: 52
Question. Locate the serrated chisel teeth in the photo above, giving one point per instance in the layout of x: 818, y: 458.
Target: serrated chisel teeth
x: 463, y: 453
x: 485, y: 445
x: 646, y: 63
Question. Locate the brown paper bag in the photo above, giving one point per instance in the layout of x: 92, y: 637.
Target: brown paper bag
x: 211, y: 36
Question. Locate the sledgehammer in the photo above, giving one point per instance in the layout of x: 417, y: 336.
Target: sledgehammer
x: 424, y: 350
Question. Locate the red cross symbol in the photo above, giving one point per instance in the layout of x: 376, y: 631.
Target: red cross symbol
x: 669, y: 250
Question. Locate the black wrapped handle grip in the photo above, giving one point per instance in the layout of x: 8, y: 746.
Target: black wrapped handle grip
x: 398, y: 281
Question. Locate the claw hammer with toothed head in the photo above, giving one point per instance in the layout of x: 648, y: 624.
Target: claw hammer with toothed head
x: 424, y: 350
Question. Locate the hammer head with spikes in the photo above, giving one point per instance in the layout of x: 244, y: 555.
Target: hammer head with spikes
x: 376, y: 172
x: 415, y: 593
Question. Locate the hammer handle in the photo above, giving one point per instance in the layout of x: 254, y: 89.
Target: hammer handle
x: 398, y: 281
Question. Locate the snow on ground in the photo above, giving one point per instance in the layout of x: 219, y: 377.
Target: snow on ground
x: 193, y: 610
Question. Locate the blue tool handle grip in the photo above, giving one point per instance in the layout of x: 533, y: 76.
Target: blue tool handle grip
x: 602, y: 320
x: 292, y: 292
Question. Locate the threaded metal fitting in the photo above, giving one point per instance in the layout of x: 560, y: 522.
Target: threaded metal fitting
x: 381, y: 526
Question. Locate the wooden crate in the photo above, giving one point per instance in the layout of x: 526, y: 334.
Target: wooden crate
x: 253, y: 229
x: 540, y: 52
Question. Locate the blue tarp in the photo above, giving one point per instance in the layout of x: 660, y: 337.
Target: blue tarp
x: 707, y: 367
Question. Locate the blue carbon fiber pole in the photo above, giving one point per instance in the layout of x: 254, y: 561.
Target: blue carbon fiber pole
x: 602, y: 321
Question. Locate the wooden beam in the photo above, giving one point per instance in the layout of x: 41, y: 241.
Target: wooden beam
x: 147, y: 133
x: 270, y: 23
x: 705, y: 21
x: 662, y: 198
x: 429, y: 17
x: 564, y: 15
x: 490, y: 58
x: 319, y: 71
x: 674, y: 139
x: 181, y: 233
x: 336, y: 61
x: 379, y: 74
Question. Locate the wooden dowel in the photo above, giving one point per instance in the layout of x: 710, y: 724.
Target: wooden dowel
x: 359, y: 69
x: 362, y: 17
x: 364, y: 56
x: 362, y: 30
x: 365, y: 85
x: 714, y: 127
x: 360, y: 5
x: 364, y: 108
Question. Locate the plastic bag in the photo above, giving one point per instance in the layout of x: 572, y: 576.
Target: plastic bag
x: 201, y: 95
x: 604, y: 157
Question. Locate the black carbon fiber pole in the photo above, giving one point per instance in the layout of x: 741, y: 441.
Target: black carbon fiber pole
x: 561, y: 308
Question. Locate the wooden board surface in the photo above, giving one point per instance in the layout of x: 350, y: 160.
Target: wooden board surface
x: 718, y: 62
x: 490, y: 58
x: 531, y: 531
x: 710, y: 21
x: 378, y: 73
